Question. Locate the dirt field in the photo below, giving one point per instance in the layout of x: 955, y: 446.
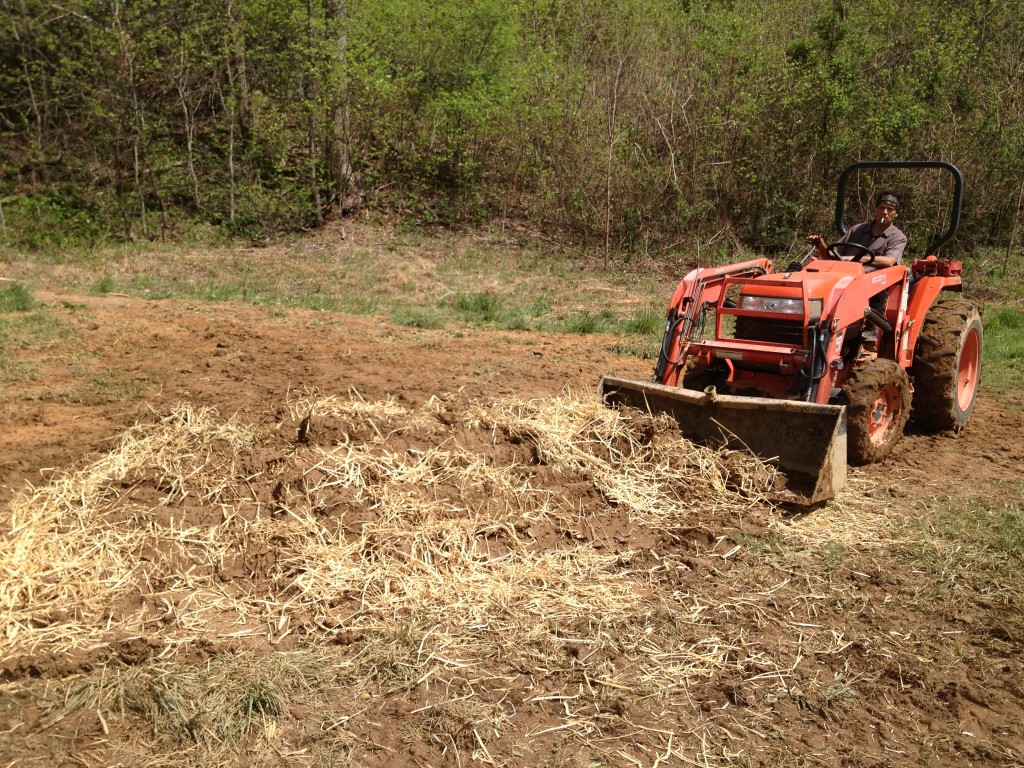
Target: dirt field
x: 722, y: 634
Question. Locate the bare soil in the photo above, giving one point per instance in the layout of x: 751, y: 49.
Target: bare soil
x: 918, y: 673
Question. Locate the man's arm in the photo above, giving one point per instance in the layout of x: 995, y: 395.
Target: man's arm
x: 819, y: 245
x: 893, y: 253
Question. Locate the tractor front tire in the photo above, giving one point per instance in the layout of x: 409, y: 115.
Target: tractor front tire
x: 947, y: 366
x: 877, y: 399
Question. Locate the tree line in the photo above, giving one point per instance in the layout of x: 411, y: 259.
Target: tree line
x: 624, y: 128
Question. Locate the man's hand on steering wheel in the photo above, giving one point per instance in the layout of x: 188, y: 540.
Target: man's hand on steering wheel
x: 858, y: 257
x: 820, y: 249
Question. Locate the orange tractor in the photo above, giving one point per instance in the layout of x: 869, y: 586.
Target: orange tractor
x: 774, y: 362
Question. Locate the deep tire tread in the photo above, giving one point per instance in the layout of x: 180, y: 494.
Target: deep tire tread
x: 937, y: 362
x: 859, y: 395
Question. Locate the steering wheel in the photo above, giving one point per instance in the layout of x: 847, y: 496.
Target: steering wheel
x: 863, y: 251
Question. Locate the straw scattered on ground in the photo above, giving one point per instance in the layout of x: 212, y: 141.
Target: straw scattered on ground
x: 516, y: 575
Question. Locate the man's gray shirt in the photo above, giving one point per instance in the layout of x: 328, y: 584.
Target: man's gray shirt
x: 890, y: 243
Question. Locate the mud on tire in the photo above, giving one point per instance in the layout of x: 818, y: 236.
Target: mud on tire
x: 947, y: 366
x: 877, y: 399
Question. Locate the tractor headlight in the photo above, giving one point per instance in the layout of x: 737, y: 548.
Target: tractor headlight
x: 780, y: 306
x: 772, y: 304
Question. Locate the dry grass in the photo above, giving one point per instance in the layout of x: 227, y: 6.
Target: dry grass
x: 440, y: 556
x: 860, y: 517
x: 83, y: 539
x: 75, y: 547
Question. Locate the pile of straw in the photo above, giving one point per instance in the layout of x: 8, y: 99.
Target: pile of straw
x: 142, y: 537
x: 74, y: 548
x: 431, y: 543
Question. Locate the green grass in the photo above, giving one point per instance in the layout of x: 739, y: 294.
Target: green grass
x: 103, y: 286
x: 644, y: 329
x: 646, y: 322
x: 428, y: 281
x: 418, y: 317
x: 15, y: 297
x: 364, y: 283
x: 210, y: 705
x: 585, y: 322
x: 25, y: 324
x: 487, y: 309
x: 968, y: 544
x: 992, y: 275
x: 1004, y: 347
x: 973, y: 553
x: 417, y: 278
x: 479, y: 307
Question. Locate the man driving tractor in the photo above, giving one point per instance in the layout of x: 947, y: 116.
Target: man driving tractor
x: 883, y: 239
x: 775, y: 361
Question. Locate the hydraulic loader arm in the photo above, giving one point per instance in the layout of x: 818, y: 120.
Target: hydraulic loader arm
x: 932, y: 276
x: 701, y: 287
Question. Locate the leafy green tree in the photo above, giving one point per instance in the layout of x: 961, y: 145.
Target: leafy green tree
x: 625, y: 129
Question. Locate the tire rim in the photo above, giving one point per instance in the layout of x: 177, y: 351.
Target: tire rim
x: 967, y: 372
x: 883, y: 413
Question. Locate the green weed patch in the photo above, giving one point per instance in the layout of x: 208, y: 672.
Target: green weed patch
x: 971, y: 545
x: 1004, y: 347
x: 15, y: 297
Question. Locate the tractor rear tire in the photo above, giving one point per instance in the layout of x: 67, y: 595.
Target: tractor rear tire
x: 877, y: 399
x: 947, y: 366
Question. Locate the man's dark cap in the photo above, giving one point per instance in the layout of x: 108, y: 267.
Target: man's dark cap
x: 888, y: 198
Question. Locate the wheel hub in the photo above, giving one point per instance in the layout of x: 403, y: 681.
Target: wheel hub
x: 885, y: 407
x: 967, y: 372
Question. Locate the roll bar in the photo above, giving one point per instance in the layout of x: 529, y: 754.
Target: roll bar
x: 958, y: 188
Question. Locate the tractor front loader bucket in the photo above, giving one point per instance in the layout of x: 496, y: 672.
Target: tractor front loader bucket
x: 806, y: 441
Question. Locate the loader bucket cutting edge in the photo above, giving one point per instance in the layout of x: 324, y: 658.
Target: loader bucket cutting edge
x: 806, y: 441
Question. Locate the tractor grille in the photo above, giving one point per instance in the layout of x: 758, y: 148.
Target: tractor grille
x: 771, y: 330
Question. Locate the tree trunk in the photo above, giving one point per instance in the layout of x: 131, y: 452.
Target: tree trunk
x: 1013, y: 229
x: 231, y: 112
x: 136, y: 123
x: 308, y: 86
x: 190, y: 135
x: 612, y: 141
x: 238, y: 60
x: 339, y: 151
